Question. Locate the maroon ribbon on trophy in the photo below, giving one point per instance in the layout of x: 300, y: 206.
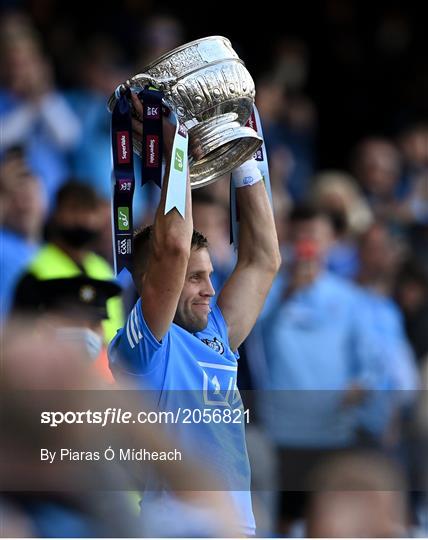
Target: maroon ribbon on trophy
x: 151, y: 158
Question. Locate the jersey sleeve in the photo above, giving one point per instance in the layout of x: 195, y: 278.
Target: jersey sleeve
x: 135, y: 350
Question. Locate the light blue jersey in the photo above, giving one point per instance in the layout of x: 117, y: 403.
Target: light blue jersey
x: 316, y: 344
x: 193, y: 371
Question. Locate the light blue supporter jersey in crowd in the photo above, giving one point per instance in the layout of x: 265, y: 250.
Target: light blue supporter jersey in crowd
x: 317, y: 343
x: 193, y: 371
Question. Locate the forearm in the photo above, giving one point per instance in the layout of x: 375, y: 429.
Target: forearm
x: 244, y: 293
x: 171, y: 229
x: 258, y: 241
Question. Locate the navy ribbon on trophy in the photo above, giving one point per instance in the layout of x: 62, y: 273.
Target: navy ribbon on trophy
x: 123, y: 182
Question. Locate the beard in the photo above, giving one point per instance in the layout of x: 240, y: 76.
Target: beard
x: 191, y: 322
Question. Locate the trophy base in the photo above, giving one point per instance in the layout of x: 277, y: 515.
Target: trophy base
x: 217, y: 146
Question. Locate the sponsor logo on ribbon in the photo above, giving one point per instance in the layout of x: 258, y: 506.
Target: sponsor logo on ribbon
x: 258, y: 156
x: 251, y: 122
x: 152, y: 112
x: 123, y: 218
x: 123, y: 151
x: 179, y: 159
x: 152, y: 150
x: 182, y: 130
x: 125, y: 185
x: 124, y: 246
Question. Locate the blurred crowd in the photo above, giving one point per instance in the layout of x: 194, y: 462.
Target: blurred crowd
x: 337, y: 365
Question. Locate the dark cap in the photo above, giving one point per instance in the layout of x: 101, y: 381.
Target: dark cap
x: 81, y: 294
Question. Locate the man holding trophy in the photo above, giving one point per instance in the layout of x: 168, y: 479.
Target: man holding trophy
x: 175, y: 338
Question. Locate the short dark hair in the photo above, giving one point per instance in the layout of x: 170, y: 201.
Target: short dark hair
x: 141, y: 250
x: 78, y: 193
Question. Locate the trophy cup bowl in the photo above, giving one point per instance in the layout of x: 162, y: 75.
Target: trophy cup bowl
x: 212, y: 93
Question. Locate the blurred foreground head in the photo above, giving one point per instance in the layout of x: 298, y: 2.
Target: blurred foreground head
x: 34, y: 360
x: 358, y: 494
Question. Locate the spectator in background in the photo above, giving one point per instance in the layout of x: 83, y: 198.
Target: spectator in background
x: 337, y: 193
x: 377, y: 165
x: 99, y: 72
x: 413, y: 143
x: 321, y: 360
x: 288, y: 128
x: 270, y: 101
x: 411, y: 294
x: 161, y: 33
x: 74, y: 226
x: 291, y: 65
x: 23, y: 208
x: 299, y: 116
x: 33, y: 113
x: 379, y: 257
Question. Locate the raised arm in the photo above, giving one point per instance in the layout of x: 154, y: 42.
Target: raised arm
x: 243, y: 295
x: 163, y: 279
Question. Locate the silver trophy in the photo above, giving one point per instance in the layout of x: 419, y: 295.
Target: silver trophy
x: 207, y: 85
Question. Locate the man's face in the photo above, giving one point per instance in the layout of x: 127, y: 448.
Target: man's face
x: 72, y: 214
x: 22, y: 197
x: 193, y: 305
x: 379, y: 254
x: 317, y: 231
x: 379, y: 168
x: 25, y: 210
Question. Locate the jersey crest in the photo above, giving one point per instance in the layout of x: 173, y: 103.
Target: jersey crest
x: 214, y: 344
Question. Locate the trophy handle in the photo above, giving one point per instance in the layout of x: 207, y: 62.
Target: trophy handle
x: 143, y: 79
x: 137, y: 83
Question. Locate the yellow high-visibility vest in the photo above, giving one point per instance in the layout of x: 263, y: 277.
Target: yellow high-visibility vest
x: 52, y: 263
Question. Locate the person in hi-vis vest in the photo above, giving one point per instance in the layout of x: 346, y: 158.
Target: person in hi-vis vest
x: 74, y: 226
